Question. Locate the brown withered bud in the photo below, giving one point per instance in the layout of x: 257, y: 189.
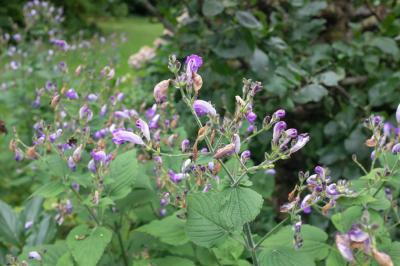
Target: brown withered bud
x: 217, y: 168
x: 326, y: 208
x: 12, y: 145
x: 292, y: 194
x: 195, y: 151
x: 63, y: 90
x: 382, y: 258
x: 370, y: 142
x: 197, y: 82
x: 55, y: 100
x: 225, y: 151
x: 78, y: 70
x: 31, y: 153
x: 3, y: 128
x: 212, y: 137
x: 161, y: 91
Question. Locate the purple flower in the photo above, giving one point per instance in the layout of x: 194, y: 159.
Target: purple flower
x: 251, y: 117
x: 343, y: 245
x: 279, y: 114
x: 211, y: 166
x: 193, y: 63
x: 176, y: 177
x: 154, y: 122
x: 398, y: 114
x: 142, y: 125
x: 377, y: 120
x: 120, y: 96
x: 92, y: 166
x: 28, y: 224
x: 302, y: 140
x: 71, y: 164
x: 19, y: 155
x: 53, y: 137
x: 163, y: 212
x: 396, y: 148
x: 245, y: 156
x: 99, y: 156
x: 270, y: 172
x: 291, y: 133
x: 250, y: 128
x: 103, y: 110
x: 121, y: 136
x: 236, y: 142
x: 92, y: 97
x: 34, y: 255
x: 72, y: 94
x: 76, y: 155
x: 121, y: 114
x: 85, y: 112
x: 277, y: 132
x: 60, y: 43
x: 357, y: 235
x: 75, y: 186
x: 185, y: 145
x: 203, y: 108
x: 306, y: 203
x: 151, y: 111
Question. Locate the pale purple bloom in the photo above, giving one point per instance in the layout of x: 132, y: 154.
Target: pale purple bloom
x: 279, y: 114
x: 92, y: 166
x: 236, y: 142
x: 75, y: 186
x: 396, y: 148
x: 34, y: 255
x: 121, y: 114
x: 53, y: 137
x: 71, y: 164
x: 185, y: 145
x: 120, y: 96
x: 92, y: 97
x: 270, y: 172
x: 99, y: 156
x: 85, y: 112
x: 250, y: 128
x: 76, y: 155
x: 14, y: 65
x: 398, y: 114
x: 245, y: 156
x: 72, y: 94
x: 277, y: 132
x: 163, y: 212
x: 19, y: 155
x: 153, y: 124
x: 193, y: 63
x: 207, y: 188
x: 204, y: 150
x: 60, y: 43
x: 203, y: 108
x: 151, y: 111
x: 387, y: 128
x: 291, y: 132
x: 306, y: 203
x: 251, y: 117
x: 158, y: 159
x: 211, y: 166
x: 175, y: 177
x: 121, y: 136
x: 357, y: 235
x: 144, y: 128
x: 103, y: 110
x: 28, y: 224
x: 377, y: 120
x: 68, y: 206
x: 332, y: 191
x: 373, y: 155
x: 17, y: 37
x: 302, y: 140
x: 343, y: 245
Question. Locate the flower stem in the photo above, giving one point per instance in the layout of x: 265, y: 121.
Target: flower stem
x: 251, y: 244
x: 271, y: 232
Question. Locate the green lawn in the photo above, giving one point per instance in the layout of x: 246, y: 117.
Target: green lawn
x: 139, y: 31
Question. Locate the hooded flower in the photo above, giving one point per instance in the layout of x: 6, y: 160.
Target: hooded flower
x: 72, y: 94
x: 279, y: 128
x: 398, y: 114
x: 193, y: 63
x: 142, y: 125
x: 302, y: 140
x: 203, y: 108
x: 121, y: 136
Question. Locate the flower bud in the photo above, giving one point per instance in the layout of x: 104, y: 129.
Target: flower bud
x: 144, y: 128
x: 398, y: 114
x: 185, y: 145
x: 203, y: 108
x: 245, y: 156
x: 161, y: 91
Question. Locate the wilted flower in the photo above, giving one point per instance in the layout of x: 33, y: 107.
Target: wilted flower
x: 396, y: 148
x: 398, y: 114
x: 103, y: 110
x: 19, y: 155
x: 71, y: 164
x: 225, y: 151
x: 176, y: 177
x: 203, y: 108
x: 161, y: 91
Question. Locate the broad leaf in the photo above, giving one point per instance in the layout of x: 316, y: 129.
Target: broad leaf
x: 88, y: 245
x: 246, y: 19
x: 212, y: 8
x: 49, y: 190
x: 310, y: 93
x: 344, y: 220
x: 283, y: 256
x: 169, y: 230
x: 8, y: 224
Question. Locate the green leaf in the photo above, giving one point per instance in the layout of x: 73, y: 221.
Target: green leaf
x: 259, y: 61
x: 65, y: 260
x: 123, y: 171
x: 335, y: 259
x: 49, y: 190
x: 169, y: 230
x: 344, y: 220
x: 394, y: 253
x: 246, y: 19
x: 283, y: 256
x: 50, y: 253
x: 205, y: 225
x: 314, y: 246
x: 229, y: 252
x: 88, y: 245
x: 8, y: 224
x: 386, y: 45
x: 330, y: 78
x: 240, y: 205
x: 168, y: 260
x: 212, y: 8
x: 54, y: 165
x: 310, y: 93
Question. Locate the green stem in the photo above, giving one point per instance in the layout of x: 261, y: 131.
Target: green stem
x: 251, y: 244
x: 91, y: 213
x: 271, y: 232
x: 121, y: 244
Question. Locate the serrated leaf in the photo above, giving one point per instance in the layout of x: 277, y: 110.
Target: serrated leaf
x: 123, y: 171
x: 310, y: 93
x: 246, y: 19
x: 314, y: 239
x: 169, y: 230
x: 344, y: 220
x: 212, y: 8
x: 205, y: 226
x: 168, y: 260
x: 283, y: 256
x: 49, y: 190
x: 8, y: 224
x: 240, y: 205
x: 88, y: 245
